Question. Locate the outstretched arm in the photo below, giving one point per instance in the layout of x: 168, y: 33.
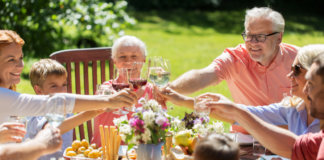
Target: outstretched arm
x: 78, y: 119
x: 122, y: 98
x: 278, y: 140
x: 194, y: 80
x: 47, y: 141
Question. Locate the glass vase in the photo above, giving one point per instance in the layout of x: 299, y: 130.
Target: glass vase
x: 149, y: 151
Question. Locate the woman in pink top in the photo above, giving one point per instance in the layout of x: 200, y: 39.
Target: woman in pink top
x: 125, y: 51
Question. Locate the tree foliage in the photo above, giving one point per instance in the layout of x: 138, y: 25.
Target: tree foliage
x: 50, y: 25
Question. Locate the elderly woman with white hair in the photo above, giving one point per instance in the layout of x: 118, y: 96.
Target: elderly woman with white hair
x: 125, y: 51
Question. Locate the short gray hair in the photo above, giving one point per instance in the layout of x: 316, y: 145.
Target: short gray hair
x: 127, y: 41
x: 307, y: 54
x: 267, y: 13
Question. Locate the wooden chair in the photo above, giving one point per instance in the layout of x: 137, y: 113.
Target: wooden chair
x: 74, y: 59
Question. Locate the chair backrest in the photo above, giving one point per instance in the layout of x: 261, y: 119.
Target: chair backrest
x: 86, y: 58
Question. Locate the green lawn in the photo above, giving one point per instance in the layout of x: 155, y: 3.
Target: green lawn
x: 191, y: 40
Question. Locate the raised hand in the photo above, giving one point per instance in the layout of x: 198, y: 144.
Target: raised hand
x: 50, y: 137
x: 12, y: 132
x: 124, y: 98
x: 223, y: 110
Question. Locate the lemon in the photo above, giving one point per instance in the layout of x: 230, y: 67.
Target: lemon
x: 183, y: 138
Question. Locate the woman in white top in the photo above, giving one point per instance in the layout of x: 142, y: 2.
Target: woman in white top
x: 16, y: 104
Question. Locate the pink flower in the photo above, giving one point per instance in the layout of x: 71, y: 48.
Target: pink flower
x: 137, y: 123
x: 162, y: 121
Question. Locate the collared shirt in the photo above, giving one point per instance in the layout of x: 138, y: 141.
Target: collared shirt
x: 278, y: 114
x: 309, y: 147
x: 16, y: 104
x: 249, y: 82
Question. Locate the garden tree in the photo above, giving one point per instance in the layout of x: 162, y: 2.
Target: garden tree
x: 50, y: 25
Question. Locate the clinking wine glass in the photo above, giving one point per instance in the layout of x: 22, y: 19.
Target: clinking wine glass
x: 160, y: 70
x: 138, y: 75
x: 200, y: 106
x: 121, y: 76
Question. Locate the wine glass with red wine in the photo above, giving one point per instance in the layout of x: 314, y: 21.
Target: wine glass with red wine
x: 138, y: 75
x: 121, y: 77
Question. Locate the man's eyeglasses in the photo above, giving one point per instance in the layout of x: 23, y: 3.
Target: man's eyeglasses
x: 296, y: 69
x: 257, y: 37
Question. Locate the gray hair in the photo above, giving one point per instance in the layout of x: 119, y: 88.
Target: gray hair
x: 266, y: 13
x: 307, y: 54
x: 127, y: 41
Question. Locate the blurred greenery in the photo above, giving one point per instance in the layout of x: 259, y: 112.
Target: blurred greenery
x: 50, y: 25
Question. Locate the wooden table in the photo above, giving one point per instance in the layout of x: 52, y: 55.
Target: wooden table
x: 246, y: 152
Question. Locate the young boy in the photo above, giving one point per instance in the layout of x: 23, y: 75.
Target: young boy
x: 48, y: 76
x: 216, y: 146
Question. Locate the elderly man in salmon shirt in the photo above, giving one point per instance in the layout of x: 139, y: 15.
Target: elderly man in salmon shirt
x: 255, y: 71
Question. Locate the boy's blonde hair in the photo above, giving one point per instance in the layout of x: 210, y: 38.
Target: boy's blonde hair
x: 43, y: 68
x: 216, y: 146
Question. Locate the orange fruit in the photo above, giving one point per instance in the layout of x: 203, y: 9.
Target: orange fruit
x: 93, y: 145
x: 94, y: 154
x: 85, y: 143
x: 81, y: 150
x: 69, y: 149
x: 76, y: 144
x: 86, y: 152
x: 71, y: 153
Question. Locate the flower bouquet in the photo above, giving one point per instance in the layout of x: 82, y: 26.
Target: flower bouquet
x: 190, y: 127
x: 148, y: 125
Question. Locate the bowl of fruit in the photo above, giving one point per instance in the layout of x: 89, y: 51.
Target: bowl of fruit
x: 82, y: 150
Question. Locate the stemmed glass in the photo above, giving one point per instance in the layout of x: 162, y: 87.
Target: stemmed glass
x: 138, y: 75
x: 160, y: 70
x: 121, y: 76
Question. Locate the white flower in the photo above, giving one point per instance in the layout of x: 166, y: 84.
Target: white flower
x: 148, y: 118
x: 177, y: 124
x: 146, y: 136
x: 200, y: 128
x: 126, y: 129
x: 154, y: 105
x: 216, y: 127
x: 117, y: 121
x: 160, y: 120
x: 134, y: 140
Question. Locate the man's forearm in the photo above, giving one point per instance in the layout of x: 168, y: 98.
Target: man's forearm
x: 278, y: 140
x: 194, y: 80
